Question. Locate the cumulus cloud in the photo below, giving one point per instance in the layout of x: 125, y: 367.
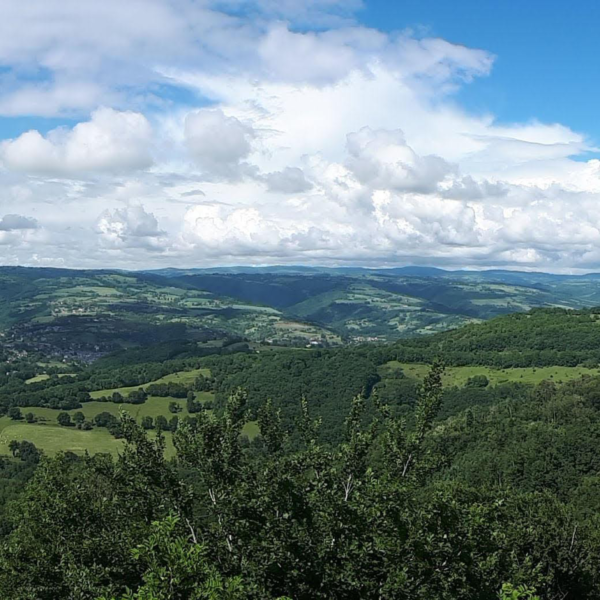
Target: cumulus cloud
x: 290, y: 180
x: 219, y: 144
x: 467, y: 188
x: 17, y: 223
x: 48, y: 99
x: 325, y: 57
x: 17, y: 231
x: 213, y: 226
x: 305, y: 57
x: 383, y: 160
x: 111, y: 141
x: 131, y: 226
x: 311, y: 139
x: 439, y: 61
x: 216, y: 230
x: 84, y: 53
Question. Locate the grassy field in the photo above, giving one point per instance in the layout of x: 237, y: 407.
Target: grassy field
x: 47, y: 435
x: 37, y: 378
x: 458, y: 376
x: 153, y: 407
x: 43, y: 377
x: 51, y: 438
x: 183, y: 377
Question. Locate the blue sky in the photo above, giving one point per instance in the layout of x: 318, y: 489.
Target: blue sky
x: 546, y: 64
x: 154, y: 133
x: 547, y: 51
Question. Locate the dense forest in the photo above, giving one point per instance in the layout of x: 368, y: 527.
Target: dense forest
x: 390, y: 512
x: 362, y: 482
x: 540, y: 337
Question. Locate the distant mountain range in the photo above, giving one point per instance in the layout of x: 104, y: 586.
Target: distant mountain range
x: 505, y: 275
x: 100, y: 310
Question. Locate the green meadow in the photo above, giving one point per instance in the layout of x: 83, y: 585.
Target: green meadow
x: 43, y: 377
x: 183, y: 377
x: 458, y: 376
x: 52, y: 438
x: 48, y: 436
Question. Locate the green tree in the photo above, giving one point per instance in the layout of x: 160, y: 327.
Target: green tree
x: 510, y: 592
x: 14, y: 412
x: 64, y: 419
x: 176, y: 567
x: 477, y: 381
x: 14, y: 447
x: 147, y: 422
x: 376, y: 516
x: 50, y: 555
x: 28, y: 452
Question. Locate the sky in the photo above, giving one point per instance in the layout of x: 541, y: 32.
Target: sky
x: 193, y: 133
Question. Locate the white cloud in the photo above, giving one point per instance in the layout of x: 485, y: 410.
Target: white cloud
x: 83, y: 53
x: 17, y: 223
x: 48, y: 99
x: 301, y: 57
x: 330, y: 144
x: 111, y: 141
x: 219, y: 144
x: 131, y: 226
x: 215, y: 230
x: 314, y: 12
x: 290, y: 180
x: 383, y: 160
x: 17, y: 231
x: 212, y: 226
x: 439, y: 61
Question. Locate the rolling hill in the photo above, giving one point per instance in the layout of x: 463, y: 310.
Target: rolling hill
x: 85, y: 314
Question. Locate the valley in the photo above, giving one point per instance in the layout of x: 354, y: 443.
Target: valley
x: 329, y: 392
x: 84, y: 315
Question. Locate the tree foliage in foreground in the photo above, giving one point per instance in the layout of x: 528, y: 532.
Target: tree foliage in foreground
x: 357, y: 521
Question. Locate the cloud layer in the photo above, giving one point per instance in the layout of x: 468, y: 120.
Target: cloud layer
x: 210, y: 133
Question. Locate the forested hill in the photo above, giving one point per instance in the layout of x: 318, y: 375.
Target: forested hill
x: 349, y: 473
x: 536, y: 338
x: 496, y: 501
x: 85, y: 314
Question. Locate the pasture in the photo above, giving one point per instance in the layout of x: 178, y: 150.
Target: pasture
x: 48, y: 436
x: 183, y: 377
x: 458, y: 376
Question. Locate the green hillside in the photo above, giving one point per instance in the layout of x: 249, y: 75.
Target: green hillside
x: 540, y: 337
x: 86, y: 314
x: 369, y: 306
x: 491, y: 469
